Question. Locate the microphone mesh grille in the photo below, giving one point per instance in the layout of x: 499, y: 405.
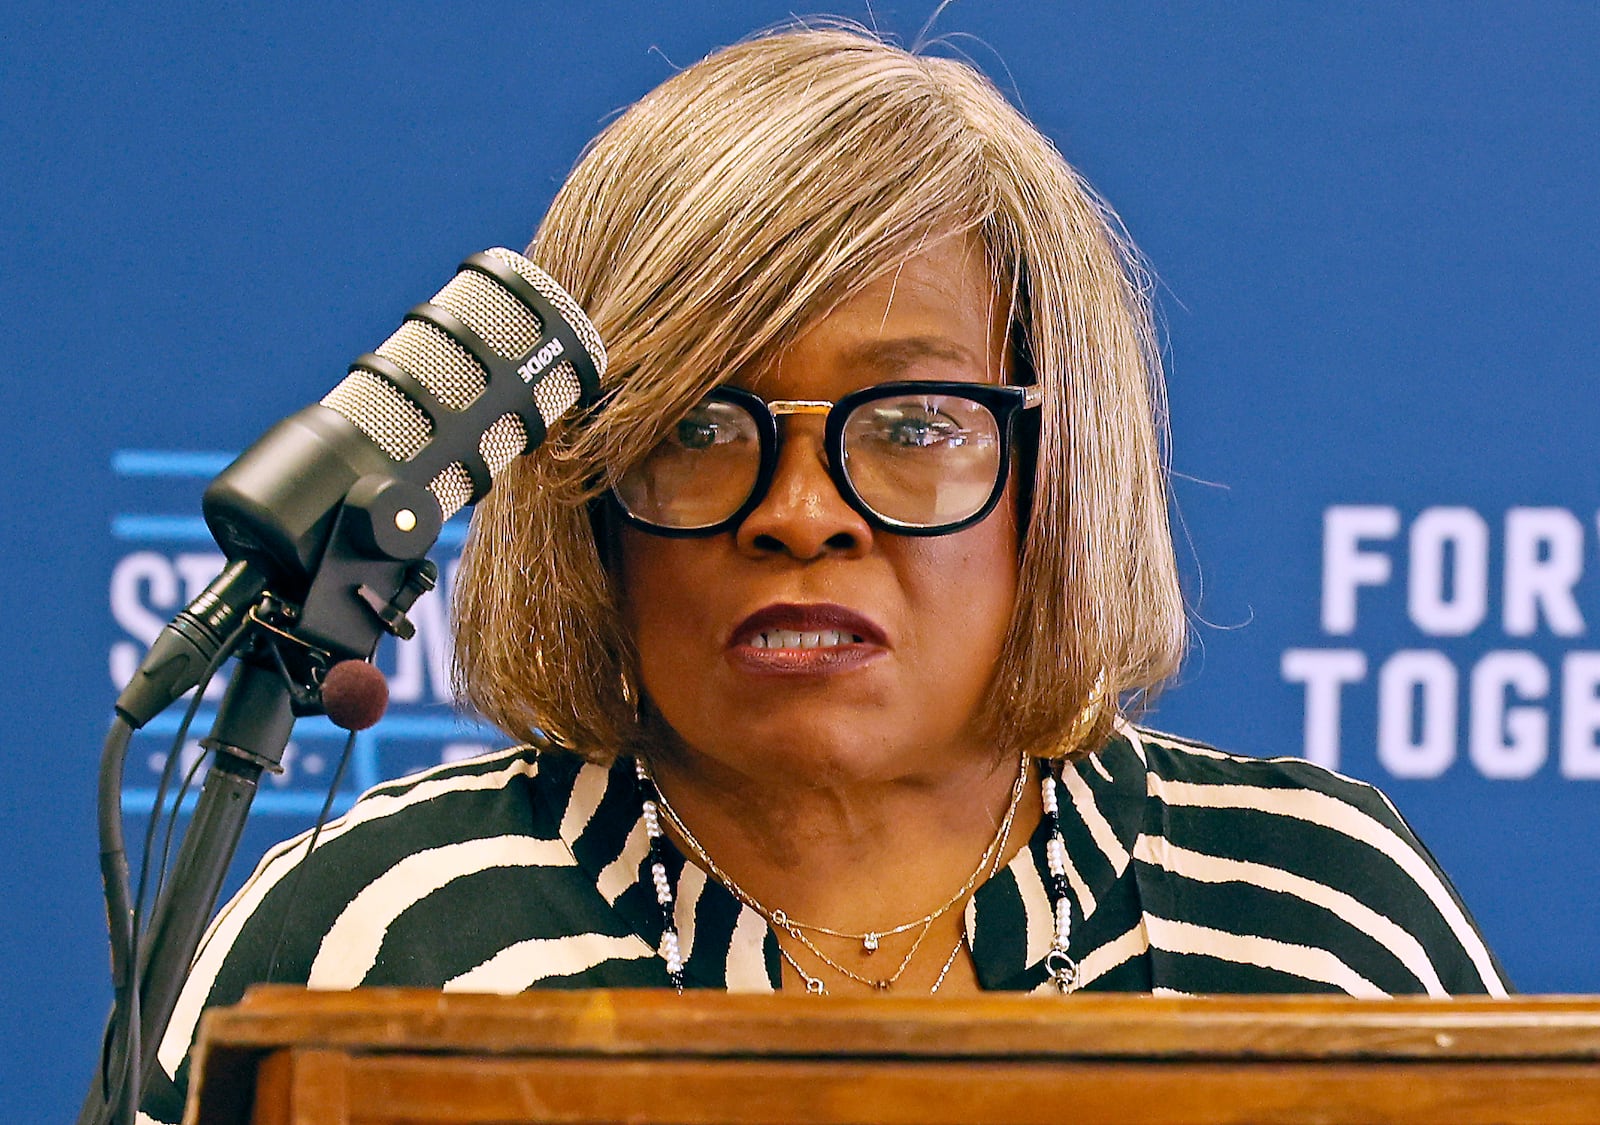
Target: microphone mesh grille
x: 378, y: 409
x: 449, y: 372
x: 556, y: 393
x: 506, y: 439
x: 557, y: 296
x: 500, y: 320
x: 452, y: 488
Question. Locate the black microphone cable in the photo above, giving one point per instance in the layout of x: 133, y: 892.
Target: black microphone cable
x: 165, y: 864
x: 158, y: 810
x: 293, y: 895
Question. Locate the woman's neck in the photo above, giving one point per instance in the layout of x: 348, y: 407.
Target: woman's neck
x: 855, y: 855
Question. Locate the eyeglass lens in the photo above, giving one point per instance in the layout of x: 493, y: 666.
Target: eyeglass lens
x: 702, y: 472
x: 921, y: 460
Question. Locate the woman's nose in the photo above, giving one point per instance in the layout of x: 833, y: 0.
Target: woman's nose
x: 802, y: 514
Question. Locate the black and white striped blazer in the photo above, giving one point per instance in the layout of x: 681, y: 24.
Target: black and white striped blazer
x: 1190, y: 871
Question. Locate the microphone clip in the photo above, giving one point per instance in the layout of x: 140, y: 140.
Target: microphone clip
x: 373, y: 568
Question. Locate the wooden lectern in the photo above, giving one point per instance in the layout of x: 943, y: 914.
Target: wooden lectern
x: 380, y: 1057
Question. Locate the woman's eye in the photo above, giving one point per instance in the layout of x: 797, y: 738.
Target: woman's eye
x: 917, y: 429
x: 700, y: 430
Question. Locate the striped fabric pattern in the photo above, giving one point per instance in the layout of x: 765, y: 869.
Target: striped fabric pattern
x: 1189, y: 871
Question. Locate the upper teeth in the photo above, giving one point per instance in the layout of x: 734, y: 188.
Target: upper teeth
x: 796, y: 638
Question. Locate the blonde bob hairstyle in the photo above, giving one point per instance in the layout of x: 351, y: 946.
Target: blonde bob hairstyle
x: 702, y: 231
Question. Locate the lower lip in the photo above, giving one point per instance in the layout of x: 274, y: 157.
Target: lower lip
x: 802, y: 661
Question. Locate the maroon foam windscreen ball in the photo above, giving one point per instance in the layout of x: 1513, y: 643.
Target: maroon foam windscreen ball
x: 354, y: 694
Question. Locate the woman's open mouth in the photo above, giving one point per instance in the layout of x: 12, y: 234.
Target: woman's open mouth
x: 807, y: 639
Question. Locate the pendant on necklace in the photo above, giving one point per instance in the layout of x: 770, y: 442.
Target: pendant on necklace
x: 869, y: 943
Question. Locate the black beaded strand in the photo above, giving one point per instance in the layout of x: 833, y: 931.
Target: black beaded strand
x: 1058, y: 962
x: 669, y: 950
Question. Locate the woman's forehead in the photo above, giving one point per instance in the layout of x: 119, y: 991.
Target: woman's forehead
x: 936, y: 315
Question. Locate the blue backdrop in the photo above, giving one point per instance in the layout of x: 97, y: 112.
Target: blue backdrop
x: 1375, y: 228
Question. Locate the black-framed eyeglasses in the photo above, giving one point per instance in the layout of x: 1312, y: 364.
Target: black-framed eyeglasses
x: 912, y: 457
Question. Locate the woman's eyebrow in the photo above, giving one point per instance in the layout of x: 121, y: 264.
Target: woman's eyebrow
x: 899, y: 354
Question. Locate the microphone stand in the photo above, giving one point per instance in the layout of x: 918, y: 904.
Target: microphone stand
x: 248, y: 737
x: 277, y: 680
x: 252, y: 728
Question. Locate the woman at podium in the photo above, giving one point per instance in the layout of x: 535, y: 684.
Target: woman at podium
x: 824, y: 636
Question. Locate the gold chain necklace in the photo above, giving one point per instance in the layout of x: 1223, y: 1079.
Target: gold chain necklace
x: 815, y: 986
x: 870, y: 938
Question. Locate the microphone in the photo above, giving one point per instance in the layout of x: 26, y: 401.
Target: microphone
x: 472, y: 379
x: 418, y: 429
